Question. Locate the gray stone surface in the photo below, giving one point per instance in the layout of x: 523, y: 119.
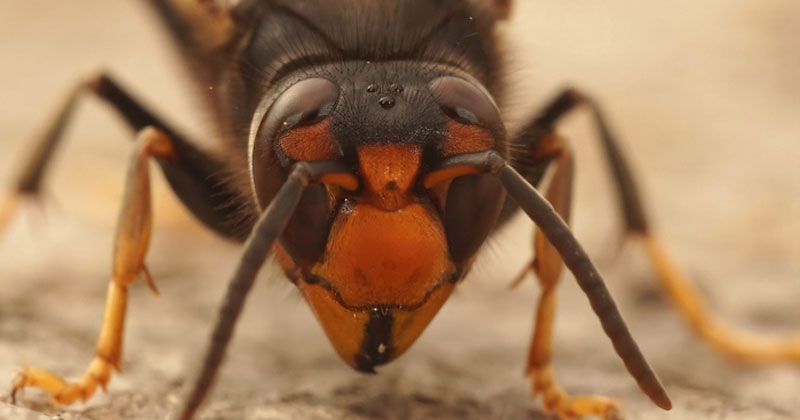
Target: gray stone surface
x: 706, y: 96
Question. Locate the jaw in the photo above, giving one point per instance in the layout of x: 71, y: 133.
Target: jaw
x: 370, y: 336
x: 382, y: 279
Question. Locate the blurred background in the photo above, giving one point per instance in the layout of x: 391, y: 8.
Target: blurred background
x: 704, y: 95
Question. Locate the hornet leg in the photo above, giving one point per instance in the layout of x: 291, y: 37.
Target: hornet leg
x: 196, y: 177
x: 560, y: 245
x: 548, y: 266
x: 130, y: 248
x: 682, y: 293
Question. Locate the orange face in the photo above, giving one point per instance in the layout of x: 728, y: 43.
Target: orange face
x: 385, y: 271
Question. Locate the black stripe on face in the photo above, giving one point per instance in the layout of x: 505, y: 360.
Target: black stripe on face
x: 375, y: 349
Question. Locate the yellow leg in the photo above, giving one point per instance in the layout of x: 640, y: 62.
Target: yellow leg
x: 130, y: 248
x: 107, y: 357
x: 548, y: 266
x: 544, y: 384
x: 738, y: 344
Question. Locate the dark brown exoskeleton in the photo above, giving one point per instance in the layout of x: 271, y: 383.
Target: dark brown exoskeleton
x: 364, y: 147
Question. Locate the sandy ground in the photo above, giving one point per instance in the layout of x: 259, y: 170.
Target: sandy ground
x: 706, y: 96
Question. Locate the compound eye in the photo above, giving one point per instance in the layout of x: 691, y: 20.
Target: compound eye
x: 472, y: 201
x: 295, y: 128
x: 297, y: 121
x: 466, y: 103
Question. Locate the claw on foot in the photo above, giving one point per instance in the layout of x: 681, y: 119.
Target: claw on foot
x: 567, y: 407
x: 61, y: 391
